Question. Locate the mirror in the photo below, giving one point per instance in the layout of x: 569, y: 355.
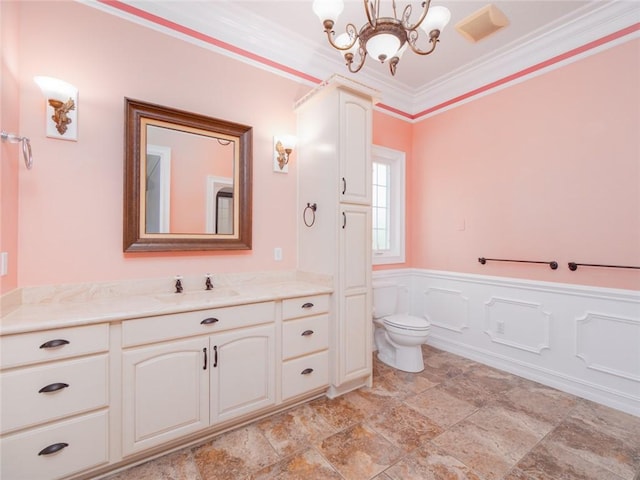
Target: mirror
x: 187, y: 181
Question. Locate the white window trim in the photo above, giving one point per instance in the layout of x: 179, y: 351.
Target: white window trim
x: 397, y: 160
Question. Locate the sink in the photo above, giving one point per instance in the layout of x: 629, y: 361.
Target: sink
x: 198, y: 295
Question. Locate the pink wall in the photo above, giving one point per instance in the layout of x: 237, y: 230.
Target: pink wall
x: 393, y: 133
x: 71, y: 202
x: 548, y: 169
x: 10, y: 160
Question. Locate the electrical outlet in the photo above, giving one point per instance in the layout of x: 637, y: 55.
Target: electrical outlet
x: 277, y: 254
x: 500, y: 327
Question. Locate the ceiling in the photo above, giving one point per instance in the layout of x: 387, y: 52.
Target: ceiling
x: 286, y: 36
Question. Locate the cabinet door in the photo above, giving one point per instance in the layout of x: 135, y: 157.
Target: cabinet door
x: 166, y: 393
x: 355, y: 149
x: 243, y: 373
x: 354, y: 323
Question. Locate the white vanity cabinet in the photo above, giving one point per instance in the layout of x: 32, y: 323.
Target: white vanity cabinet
x: 334, y: 172
x: 55, y: 399
x: 176, y: 386
x: 305, y: 343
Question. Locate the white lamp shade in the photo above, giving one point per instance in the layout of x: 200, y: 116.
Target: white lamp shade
x: 437, y: 18
x: 328, y: 9
x: 343, y: 40
x: 56, y: 88
x: 383, y: 46
x: 288, y: 141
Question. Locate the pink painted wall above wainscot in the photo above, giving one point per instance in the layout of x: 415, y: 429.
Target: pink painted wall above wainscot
x: 10, y: 153
x: 71, y: 207
x: 396, y: 134
x: 548, y: 169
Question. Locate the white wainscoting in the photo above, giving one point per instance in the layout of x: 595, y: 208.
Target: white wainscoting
x: 579, y: 339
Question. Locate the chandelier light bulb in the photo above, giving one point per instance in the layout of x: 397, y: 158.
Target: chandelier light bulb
x: 437, y: 18
x: 383, y: 46
x: 328, y: 9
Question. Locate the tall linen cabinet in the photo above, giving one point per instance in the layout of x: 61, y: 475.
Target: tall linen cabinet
x: 334, y: 173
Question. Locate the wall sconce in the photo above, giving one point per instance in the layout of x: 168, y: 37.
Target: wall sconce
x: 62, y: 107
x: 282, y: 146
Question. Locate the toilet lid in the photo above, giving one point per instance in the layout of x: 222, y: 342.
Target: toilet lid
x: 407, y: 322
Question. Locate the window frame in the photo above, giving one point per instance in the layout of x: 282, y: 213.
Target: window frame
x: 397, y: 161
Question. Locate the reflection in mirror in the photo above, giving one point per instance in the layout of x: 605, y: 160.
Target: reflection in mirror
x: 187, y: 181
x: 196, y: 156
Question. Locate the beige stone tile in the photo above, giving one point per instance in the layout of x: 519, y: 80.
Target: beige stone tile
x: 481, y: 385
x: 404, y: 427
x: 430, y: 463
x: 608, y: 420
x: 516, y: 474
x: 538, y: 401
x: 295, y: 429
x: 491, y: 452
x: 306, y: 465
x: 597, y: 446
x: 379, y: 368
x: 439, y: 406
x: 358, y: 452
x: 554, y: 462
x: 234, y: 455
x: 337, y: 412
x: 175, y: 466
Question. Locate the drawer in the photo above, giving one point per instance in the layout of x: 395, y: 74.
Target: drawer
x: 305, y: 335
x: 169, y: 327
x: 295, y: 379
x: 28, y: 348
x: 87, y: 446
x: 23, y: 405
x: 304, y: 306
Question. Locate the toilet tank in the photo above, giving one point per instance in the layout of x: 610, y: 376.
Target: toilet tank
x: 385, y: 298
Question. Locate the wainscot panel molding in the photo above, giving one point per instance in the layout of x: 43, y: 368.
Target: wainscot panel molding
x: 580, y: 339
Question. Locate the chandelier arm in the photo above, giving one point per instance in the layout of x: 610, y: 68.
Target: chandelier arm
x: 407, y: 13
x: 363, y: 56
x: 434, y: 34
x: 370, y: 9
x: 351, y: 31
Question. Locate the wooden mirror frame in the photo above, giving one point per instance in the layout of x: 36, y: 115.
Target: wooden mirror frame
x: 136, y: 241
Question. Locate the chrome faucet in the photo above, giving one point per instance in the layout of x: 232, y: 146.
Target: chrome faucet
x: 208, y: 285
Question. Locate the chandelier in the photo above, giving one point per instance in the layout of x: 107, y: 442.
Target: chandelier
x: 383, y: 38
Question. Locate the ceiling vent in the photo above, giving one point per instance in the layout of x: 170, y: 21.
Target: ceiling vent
x: 482, y: 23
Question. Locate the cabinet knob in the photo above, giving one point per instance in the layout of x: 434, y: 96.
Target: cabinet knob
x: 306, y: 371
x: 307, y: 305
x: 209, y: 321
x: 59, y: 342
x: 53, y: 448
x: 53, y: 387
x: 306, y: 333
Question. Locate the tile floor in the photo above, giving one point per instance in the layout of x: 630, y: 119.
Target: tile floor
x: 457, y: 420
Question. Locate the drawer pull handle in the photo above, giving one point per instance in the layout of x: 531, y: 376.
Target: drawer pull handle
x: 53, y: 448
x: 209, y: 321
x: 215, y: 356
x: 306, y: 333
x: 204, y: 367
x: 53, y: 387
x: 307, y: 305
x: 306, y: 371
x: 54, y: 343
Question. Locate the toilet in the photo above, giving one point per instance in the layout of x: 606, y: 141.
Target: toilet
x: 398, y: 336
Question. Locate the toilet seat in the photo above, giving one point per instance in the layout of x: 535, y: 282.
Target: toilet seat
x: 404, y: 321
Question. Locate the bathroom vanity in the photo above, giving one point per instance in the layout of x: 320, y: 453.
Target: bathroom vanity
x: 95, y: 381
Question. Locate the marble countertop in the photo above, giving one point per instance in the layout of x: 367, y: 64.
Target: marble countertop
x: 75, y: 310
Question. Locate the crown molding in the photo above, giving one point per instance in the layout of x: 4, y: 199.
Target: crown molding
x: 594, y: 21
x: 242, y: 35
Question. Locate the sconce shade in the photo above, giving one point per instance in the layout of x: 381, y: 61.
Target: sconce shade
x: 62, y: 107
x: 282, y: 146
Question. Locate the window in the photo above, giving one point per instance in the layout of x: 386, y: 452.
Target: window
x: 388, y: 198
